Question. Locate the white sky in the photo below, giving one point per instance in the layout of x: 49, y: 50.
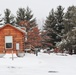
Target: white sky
x: 40, y: 8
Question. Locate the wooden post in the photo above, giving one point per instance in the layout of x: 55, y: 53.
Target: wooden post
x: 12, y: 55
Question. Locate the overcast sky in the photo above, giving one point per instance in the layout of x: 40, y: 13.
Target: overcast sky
x: 40, y: 8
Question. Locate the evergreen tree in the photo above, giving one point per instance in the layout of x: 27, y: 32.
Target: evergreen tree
x: 70, y: 18
x: 59, y: 14
x: 21, y: 15
x: 25, y: 18
x: 1, y: 20
x: 70, y: 32
x: 29, y: 17
x: 54, y: 25
x: 49, y: 29
x: 8, y: 18
x: 31, y: 26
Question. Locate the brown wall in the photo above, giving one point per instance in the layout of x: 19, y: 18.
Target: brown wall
x: 18, y: 37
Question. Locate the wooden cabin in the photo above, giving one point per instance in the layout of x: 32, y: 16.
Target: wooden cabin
x: 11, y: 39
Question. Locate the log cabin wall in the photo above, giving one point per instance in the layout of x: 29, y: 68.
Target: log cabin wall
x: 17, y: 38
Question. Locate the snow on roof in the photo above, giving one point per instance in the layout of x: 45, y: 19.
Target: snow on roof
x: 20, y: 28
x: 17, y: 27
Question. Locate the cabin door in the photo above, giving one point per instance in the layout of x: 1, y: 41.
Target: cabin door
x: 17, y: 46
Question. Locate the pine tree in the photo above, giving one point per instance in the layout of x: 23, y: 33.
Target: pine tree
x: 34, y: 37
x: 49, y: 29
x: 29, y: 17
x: 21, y: 15
x: 70, y: 32
x: 25, y: 18
x: 1, y: 20
x: 54, y: 25
x: 70, y: 18
x: 8, y: 18
x: 59, y: 14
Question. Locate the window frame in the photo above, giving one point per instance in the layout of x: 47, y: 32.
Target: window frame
x: 8, y: 42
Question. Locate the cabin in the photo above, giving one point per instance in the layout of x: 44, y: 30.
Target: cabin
x: 11, y: 39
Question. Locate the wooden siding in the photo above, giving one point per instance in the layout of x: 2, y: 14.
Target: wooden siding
x: 18, y: 37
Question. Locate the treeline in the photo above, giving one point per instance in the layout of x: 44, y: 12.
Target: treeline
x: 58, y: 25
x: 21, y: 15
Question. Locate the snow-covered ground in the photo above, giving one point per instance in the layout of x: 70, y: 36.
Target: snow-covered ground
x: 43, y: 64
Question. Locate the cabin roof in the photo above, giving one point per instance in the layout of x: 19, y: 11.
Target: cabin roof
x: 18, y: 28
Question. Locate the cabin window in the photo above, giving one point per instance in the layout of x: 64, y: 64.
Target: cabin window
x: 8, y: 42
